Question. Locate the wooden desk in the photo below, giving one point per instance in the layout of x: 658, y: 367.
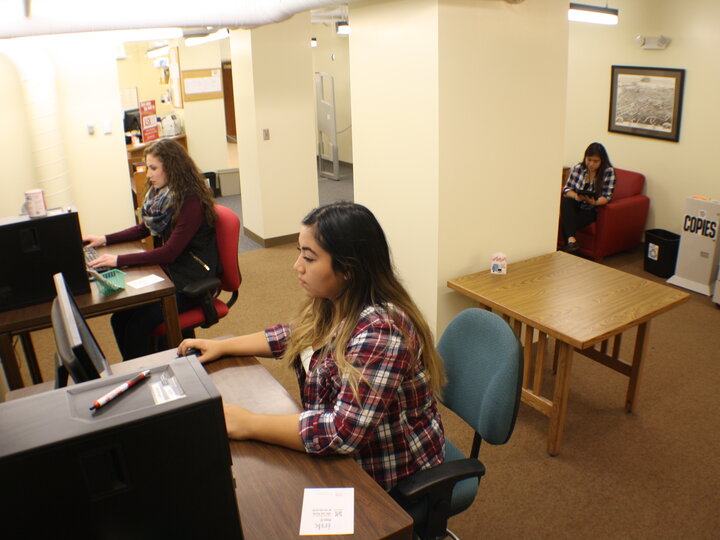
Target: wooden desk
x: 582, y: 305
x: 22, y: 321
x: 270, y: 479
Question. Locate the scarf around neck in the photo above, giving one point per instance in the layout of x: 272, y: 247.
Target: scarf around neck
x: 157, y: 210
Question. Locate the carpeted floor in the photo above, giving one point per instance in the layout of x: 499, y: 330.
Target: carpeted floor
x: 651, y: 474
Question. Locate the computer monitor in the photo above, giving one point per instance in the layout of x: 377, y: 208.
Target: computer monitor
x: 33, y: 250
x: 78, y: 353
x: 131, y: 120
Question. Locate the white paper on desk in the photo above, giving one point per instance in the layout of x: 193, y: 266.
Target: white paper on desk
x: 328, y: 511
x: 145, y: 281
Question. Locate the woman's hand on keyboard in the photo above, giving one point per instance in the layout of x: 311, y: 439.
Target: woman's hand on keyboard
x: 94, y: 241
x: 104, y: 260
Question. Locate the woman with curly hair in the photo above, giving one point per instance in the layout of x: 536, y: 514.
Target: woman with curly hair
x: 178, y: 212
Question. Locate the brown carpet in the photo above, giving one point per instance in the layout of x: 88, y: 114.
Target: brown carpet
x: 651, y: 474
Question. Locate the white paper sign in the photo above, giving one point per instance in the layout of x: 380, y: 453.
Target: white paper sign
x: 145, y: 281
x: 328, y: 511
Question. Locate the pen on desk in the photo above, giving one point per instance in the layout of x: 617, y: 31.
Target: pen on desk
x: 124, y: 387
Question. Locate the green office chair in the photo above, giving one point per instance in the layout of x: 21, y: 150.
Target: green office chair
x: 484, y: 364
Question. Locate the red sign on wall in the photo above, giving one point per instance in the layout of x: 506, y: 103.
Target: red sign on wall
x: 148, y: 121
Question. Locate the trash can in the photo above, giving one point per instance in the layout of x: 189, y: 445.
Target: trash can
x: 661, y: 249
x: 211, y: 178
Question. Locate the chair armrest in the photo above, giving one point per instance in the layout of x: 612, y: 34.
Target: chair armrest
x: 204, y: 291
x: 437, y: 485
x: 441, y: 477
x: 621, y: 223
x: 198, y: 288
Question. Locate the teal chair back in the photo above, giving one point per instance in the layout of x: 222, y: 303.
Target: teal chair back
x: 483, y: 363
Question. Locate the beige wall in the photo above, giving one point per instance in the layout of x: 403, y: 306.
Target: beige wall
x: 332, y: 55
x: 81, y: 70
x: 674, y: 170
x: 15, y: 150
x: 273, y: 88
x: 458, y: 133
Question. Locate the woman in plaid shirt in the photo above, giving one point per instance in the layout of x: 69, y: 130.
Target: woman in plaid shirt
x: 590, y: 184
x: 364, y: 356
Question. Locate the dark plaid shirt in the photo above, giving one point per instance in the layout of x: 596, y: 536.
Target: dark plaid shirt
x: 578, y: 181
x: 396, y: 428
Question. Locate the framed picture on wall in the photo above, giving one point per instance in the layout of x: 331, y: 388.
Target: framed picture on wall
x: 646, y: 101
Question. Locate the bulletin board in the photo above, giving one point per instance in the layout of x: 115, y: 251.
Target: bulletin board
x: 199, y: 84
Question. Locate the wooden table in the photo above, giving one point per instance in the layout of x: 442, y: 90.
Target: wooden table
x: 22, y: 321
x: 270, y: 479
x: 582, y: 305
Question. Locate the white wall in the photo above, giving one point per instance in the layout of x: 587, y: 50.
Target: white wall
x: 332, y: 55
x: 674, y: 170
x: 458, y: 115
x: 205, y: 119
x: 84, y: 76
x: 273, y: 88
x: 15, y: 148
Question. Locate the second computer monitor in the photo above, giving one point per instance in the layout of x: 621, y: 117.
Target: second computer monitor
x: 78, y: 353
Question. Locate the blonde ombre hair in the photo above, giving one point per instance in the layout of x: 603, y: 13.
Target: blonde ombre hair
x: 353, y: 238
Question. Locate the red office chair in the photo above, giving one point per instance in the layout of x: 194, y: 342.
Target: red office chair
x: 212, y: 309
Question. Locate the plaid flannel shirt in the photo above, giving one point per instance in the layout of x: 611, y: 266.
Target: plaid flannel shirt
x: 578, y: 181
x: 395, y: 429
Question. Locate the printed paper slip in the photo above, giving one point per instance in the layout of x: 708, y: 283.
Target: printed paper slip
x: 328, y: 511
x: 145, y: 281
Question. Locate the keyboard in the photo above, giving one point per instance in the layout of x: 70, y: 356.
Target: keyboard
x: 91, y: 255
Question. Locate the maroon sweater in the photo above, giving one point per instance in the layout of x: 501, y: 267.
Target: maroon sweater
x: 189, y: 221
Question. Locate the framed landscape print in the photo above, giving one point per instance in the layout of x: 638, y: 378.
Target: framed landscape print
x: 646, y: 101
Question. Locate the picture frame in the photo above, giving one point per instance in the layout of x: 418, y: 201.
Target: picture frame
x: 646, y: 101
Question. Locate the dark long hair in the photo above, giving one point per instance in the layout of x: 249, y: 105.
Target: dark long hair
x: 354, y: 239
x: 184, y: 179
x: 598, y: 150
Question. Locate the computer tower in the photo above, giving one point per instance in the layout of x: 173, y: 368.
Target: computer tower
x: 34, y: 249
x: 152, y: 463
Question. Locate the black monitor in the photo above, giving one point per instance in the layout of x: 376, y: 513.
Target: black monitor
x: 33, y: 250
x: 78, y: 353
x: 131, y: 120
x: 153, y: 463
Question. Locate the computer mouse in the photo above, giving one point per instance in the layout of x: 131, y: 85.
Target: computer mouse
x: 193, y: 351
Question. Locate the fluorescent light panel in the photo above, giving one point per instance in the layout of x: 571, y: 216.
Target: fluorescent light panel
x: 215, y: 36
x: 592, y: 14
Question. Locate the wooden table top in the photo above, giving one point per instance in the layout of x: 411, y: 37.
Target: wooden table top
x: 570, y: 298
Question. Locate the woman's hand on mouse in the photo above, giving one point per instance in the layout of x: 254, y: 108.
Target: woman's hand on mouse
x: 207, y: 349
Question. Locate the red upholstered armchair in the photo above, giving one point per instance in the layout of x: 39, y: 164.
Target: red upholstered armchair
x: 620, y: 223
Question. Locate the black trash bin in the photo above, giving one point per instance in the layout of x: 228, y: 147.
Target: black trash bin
x: 212, y: 181
x: 661, y: 249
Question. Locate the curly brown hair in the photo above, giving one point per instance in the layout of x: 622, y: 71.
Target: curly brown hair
x: 184, y: 179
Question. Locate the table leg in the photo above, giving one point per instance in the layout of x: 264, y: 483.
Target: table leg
x: 641, y: 340
x: 9, y: 362
x: 560, y: 399
x: 172, y: 322
x: 30, y: 358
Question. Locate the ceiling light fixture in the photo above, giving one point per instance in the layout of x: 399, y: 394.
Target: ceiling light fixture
x: 592, y: 14
x: 160, y: 51
x: 342, y: 28
x: 215, y: 36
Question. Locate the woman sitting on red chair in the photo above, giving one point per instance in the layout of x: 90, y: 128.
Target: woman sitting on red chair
x: 591, y: 184
x: 179, y: 213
